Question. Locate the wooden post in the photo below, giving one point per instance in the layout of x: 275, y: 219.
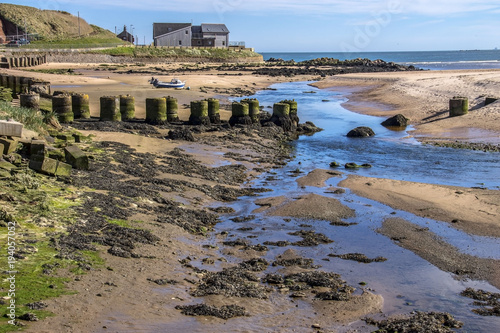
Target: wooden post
x: 459, y: 106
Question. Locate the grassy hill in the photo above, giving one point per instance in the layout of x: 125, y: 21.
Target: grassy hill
x: 55, y: 26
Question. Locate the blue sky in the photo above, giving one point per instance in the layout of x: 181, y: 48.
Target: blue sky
x: 308, y: 25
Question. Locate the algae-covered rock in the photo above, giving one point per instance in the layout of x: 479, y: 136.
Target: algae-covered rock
x: 397, y: 121
x: 361, y: 132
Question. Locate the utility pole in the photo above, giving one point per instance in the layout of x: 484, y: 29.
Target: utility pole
x: 25, y: 30
x: 78, y: 23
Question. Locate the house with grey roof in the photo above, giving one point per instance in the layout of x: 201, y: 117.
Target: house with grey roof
x: 186, y: 34
x: 126, y: 36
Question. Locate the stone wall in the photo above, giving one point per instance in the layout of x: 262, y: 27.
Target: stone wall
x: 104, y: 58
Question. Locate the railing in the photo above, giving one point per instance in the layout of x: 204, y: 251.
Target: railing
x: 62, y: 47
x: 237, y: 43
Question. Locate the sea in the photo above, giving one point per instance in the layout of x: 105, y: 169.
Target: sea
x: 431, y: 60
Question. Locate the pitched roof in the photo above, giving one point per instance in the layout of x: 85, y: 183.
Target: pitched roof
x: 196, y: 29
x: 210, y: 27
x: 164, y: 28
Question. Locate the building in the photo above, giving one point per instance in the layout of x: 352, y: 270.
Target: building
x: 126, y: 36
x: 186, y: 34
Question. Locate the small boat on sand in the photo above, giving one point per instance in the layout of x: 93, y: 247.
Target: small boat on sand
x: 174, y: 83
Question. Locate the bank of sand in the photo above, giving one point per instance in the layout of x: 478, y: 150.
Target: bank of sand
x: 122, y: 298
x: 423, y: 97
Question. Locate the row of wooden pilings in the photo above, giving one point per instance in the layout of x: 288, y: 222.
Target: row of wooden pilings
x: 70, y: 106
x: 25, y: 61
x: 20, y: 84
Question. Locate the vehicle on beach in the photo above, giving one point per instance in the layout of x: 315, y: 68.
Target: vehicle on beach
x: 17, y: 43
x: 174, y: 83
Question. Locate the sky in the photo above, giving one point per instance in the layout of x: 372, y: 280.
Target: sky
x: 307, y: 25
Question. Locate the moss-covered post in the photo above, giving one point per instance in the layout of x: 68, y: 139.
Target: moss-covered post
x: 214, y: 110
x: 281, y: 116
x: 293, y: 111
x: 459, y: 106
x: 110, y: 108
x: 31, y: 101
x: 81, y: 106
x: 18, y: 85
x: 62, y: 107
x: 156, y: 111
x: 199, y: 113
x: 240, y: 114
x: 12, y: 85
x: 25, y: 84
x: 127, y: 107
x: 172, y: 109
x: 254, y: 109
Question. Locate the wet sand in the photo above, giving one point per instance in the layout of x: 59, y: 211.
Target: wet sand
x: 120, y: 297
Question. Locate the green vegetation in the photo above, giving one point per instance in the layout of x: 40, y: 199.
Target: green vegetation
x: 97, y: 38
x: 60, y: 71
x: 56, y: 29
x: 32, y: 119
x: 166, y: 52
x: 39, y: 207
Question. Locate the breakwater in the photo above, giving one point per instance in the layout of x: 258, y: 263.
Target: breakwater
x: 22, y: 61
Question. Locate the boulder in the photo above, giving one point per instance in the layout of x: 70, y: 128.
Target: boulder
x: 361, y: 132
x: 397, y: 121
x: 181, y: 134
x: 76, y: 158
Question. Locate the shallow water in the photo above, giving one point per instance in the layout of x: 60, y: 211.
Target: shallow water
x: 406, y: 281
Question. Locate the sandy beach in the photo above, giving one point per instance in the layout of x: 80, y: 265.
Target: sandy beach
x: 121, y: 296
x: 423, y: 98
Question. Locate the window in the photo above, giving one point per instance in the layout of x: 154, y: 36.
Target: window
x: 199, y: 42
x: 223, y: 43
x: 187, y: 32
x: 180, y: 42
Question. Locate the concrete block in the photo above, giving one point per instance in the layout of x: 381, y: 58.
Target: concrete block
x: 37, y: 148
x: 66, y: 137
x: 46, y: 166
x: 76, y: 157
x: 63, y: 169
x: 9, y: 145
x: 50, y: 167
x: 11, y: 128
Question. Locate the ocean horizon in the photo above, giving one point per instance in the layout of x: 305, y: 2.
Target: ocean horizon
x: 431, y: 60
